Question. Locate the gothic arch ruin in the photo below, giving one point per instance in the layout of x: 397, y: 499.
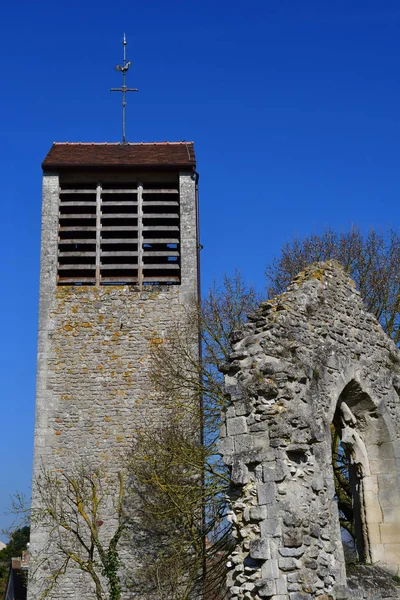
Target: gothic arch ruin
x: 309, y: 358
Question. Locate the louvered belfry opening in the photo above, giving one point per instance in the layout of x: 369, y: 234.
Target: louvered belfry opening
x: 119, y: 232
x: 120, y: 210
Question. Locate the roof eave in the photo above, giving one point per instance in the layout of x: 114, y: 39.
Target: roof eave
x: 118, y: 167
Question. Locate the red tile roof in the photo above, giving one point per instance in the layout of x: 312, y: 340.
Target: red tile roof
x: 157, y: 154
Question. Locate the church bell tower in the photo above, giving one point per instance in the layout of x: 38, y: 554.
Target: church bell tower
x: 119, y: 266
x: 119, y: 263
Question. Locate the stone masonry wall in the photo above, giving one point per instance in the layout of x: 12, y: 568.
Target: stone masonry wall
x: 97, y: 367
x: 93, y: 387
x: 306, y: 357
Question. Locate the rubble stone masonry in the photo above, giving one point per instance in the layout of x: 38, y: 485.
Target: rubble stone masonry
x: 309, y: 357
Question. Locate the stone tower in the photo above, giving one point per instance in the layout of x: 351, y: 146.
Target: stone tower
x: 119, y: 261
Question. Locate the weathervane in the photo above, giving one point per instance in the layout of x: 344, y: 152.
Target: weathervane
x: 124, y: 89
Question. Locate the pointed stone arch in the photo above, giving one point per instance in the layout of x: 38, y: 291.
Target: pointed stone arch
x: 374, y: 474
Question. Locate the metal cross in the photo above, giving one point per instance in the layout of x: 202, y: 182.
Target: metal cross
x: 124, y: 89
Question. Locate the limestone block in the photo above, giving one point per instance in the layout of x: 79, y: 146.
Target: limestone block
x: 318, y: 482
x: 388, y: 490
x: 259, y: 549
x: 226, y: 446
x: 391, y: 514
x: 258, y: 513
x: 269, y: 569
x: 373, y: 509
x: 261, y: 440
x: 370, y: 483
x: 276, y: 471
x: 248, y: 586
x: 240, y: 473
x: 268, y: 589
x: 236, y: 425
x: 288, y: 564
x: 281, y: 585
x: 374, y: 514
x: 230, y: 412
x: 315, y: 531
x: 374, y: 533
x: 269, y: 472
x: 294, y: 587
x: 242, y: 407
x: 390, y: 533
x: 266, y: 493
x: 392, y: 553
x: 341, y: 593
x: 383, y: 465
x: 230, y: 384
x: 380, y: 452
x: 295, y: 552
x: 271, y: 527
x: 243, y: 443
x: 377, y: 553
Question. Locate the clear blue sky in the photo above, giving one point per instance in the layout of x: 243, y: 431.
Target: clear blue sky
x: 293, y: 107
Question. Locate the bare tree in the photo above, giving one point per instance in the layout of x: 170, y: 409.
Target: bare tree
x: 165, y: 466
x: 177, y: 472
x: 372, y: 260
x: 71, y: 508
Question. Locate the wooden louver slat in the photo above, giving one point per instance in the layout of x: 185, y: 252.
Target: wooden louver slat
x: 119, y: 236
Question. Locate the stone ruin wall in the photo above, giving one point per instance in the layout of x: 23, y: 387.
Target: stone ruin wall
x: 306, y: 357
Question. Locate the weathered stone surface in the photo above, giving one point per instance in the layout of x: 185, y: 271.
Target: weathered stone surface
x: 259, y: 549
x: 236, y: 425
x: 376, y: 581
x: 305, y: 358
x: 93, y: 386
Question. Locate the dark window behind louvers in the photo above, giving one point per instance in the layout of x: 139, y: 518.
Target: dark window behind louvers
x: 119, y: 234
x: 77, y: 234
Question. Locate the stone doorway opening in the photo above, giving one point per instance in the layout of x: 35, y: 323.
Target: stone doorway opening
x: 365, y: 474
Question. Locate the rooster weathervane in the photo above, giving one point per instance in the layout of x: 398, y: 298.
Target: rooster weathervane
x: 124, y: 69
